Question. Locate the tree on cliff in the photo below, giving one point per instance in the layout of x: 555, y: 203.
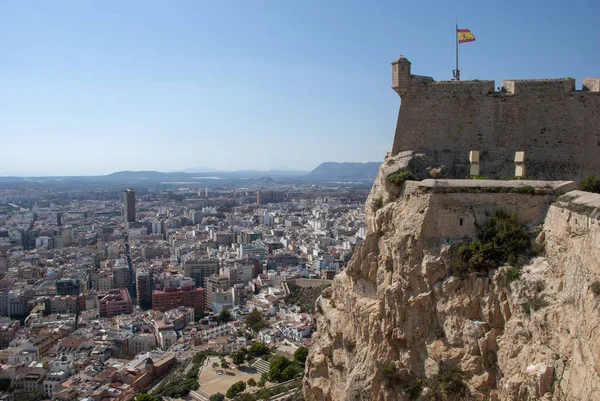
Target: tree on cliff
x: 502, y: 239
x: 300, y: 355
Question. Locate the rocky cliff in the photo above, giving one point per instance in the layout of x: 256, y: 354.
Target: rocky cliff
x: 398, y: 325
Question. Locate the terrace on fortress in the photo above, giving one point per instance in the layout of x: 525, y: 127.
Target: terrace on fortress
x: 505, y: 186
x: 452, y: 217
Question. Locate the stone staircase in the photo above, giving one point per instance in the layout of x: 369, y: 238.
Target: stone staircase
x: 261, y: 366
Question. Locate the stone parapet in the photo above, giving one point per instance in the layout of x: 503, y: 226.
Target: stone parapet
x: 591, y: 84
x: 476, y: 86
x: 560, y: 85
x: 496, y: 186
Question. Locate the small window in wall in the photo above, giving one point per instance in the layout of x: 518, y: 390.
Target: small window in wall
x: 460, y: 221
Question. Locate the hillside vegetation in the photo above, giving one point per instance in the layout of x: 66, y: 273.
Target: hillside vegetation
x: 304, y: 297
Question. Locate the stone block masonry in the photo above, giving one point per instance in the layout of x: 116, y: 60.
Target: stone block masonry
x: 557, y: 126
x: 458, y: 207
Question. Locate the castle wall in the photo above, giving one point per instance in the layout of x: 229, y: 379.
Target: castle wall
x: 455, y: 217
x: 557, y: 127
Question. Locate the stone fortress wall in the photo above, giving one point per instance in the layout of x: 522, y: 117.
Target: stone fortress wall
x: 452, y: 217
x: 556, y: 125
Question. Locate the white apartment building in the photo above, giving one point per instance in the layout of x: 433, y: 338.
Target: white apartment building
x: 52, y: 383
x: 141, y: 343
x: 105, y: 281
x: 166, y: 339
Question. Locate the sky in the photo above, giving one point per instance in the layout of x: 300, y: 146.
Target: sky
x: 94, y: 87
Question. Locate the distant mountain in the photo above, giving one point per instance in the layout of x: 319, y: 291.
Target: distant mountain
x: 269, y: 173
x: 199, y: 170
x: 344, y: 171
x: 329, y: 171
x: 140, y: 175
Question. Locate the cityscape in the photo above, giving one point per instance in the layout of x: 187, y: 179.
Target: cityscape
x: 107, y: 293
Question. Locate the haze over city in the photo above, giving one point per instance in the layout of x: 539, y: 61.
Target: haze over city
x: 299, y: 201
x: 97, y: 87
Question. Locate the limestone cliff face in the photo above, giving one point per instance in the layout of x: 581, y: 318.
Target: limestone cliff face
x: 396, y: 303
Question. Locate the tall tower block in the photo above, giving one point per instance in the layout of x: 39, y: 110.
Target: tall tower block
x: 129, y: 206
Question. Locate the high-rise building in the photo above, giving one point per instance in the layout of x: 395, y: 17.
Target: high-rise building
x: 214, y: 284
x: 199, y: 269
x: 239, y: 294
x: 222, y: 300
x: 129, y: 206
x: 158, y: 227
x: 143, y: 286
x: 104, y: 281
x: 239, y: 274
x: 121, y: 276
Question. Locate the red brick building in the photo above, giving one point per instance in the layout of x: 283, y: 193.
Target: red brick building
x: 172, y: 297
x: 8, y: 331
x: 114, y: 302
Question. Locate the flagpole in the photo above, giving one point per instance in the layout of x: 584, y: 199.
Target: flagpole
x: 456, y: 38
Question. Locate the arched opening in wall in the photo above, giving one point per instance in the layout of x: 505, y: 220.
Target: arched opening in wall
x: 460, y: 221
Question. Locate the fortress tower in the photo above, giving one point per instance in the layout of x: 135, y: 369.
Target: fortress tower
x: 401, y: 75
x: 557, y: 126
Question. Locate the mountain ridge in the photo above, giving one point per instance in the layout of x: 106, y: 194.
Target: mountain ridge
x: 345, y: 170
x: 324, y: 171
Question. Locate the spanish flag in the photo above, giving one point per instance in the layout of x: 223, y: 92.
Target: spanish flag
x: 465, y: 35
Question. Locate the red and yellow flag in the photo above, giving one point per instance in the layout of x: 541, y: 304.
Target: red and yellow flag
x: 465, y: 35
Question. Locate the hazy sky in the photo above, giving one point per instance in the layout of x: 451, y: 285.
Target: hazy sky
x: 92, y: 87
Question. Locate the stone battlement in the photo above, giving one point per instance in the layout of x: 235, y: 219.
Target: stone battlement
x: 403, y: 82
x: 560, y: 85
x: 477, y: 87
x: 557, y: 126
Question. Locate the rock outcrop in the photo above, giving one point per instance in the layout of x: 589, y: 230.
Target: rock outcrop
x: 396, y: 319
